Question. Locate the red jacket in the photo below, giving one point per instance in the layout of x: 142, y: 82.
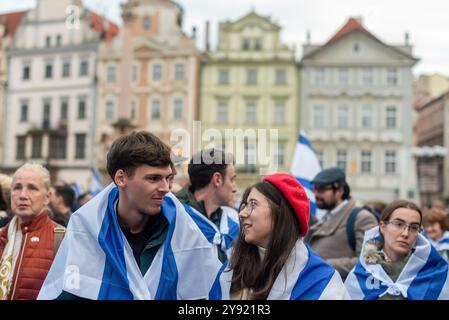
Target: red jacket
x: 35, y: 257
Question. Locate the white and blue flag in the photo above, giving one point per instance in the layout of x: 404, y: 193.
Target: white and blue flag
x: 442, y: 244
x: 229, y: 227
x: 95, y: 186
x: 424, y: 277
x: 305, y: 276
x: 95, y: 261
x: 305, y: 166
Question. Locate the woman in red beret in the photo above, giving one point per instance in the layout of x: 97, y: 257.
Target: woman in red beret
x: 270, y: 259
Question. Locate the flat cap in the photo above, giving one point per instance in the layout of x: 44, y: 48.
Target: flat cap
x: 329, y: 176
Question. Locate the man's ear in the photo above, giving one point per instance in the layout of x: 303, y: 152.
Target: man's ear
x: 217, y: 179
x: 120, y: 178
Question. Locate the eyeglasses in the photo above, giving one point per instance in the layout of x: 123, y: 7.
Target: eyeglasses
x: 400, y: 225
x: 248, y: 206
x: 252, y: 205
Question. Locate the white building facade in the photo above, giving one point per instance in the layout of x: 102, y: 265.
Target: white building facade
x: 356, y: 107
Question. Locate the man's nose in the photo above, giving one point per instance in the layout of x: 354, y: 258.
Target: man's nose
x: 164, y: 186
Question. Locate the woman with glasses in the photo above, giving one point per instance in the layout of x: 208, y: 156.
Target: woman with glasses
x: 270, y: 259
x: 397, y: 262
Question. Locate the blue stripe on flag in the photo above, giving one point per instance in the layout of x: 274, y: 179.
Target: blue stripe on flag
x: 168, y: 283
x: 215, y: 293
x: 309, y: 286
x: 430, y: 280
x: 362, y: 278
x: 234, y: 229
x: 305, y: 183
x: 115, y: 283
x: 303, y: 140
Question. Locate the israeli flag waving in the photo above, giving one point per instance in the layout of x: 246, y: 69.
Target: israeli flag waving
x: 305, y: 276
x: 424, y: 277
x: 95, y: 261
x: 229, y: 227
x: 95, y: 186
x: 305, y: 166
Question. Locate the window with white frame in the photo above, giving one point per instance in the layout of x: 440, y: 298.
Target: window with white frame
x: 392, y: 76
x: 342, y: 156
x: 251, y: 76
x: 110, y: 110
x: 80, y: 146
x: 250, y: 152
x: 147, y: 23
x: 24, y: 110
x: 367, y: 117
x: 367, y: 76
x: 320, y: 156
x: 58, y: 40
x: 318, y: 76
x: 82, y: 114
x: 110, y: 74
x: 157, y: 72
x: 134, y: 73
x: 84, y: 67
x: 222, y: 112
x: 279, y: 111
x: 281, y: 76
x: 26, y: 71
x: 343, y: 76
x: 155, y: 109
x: 46, y: 113
x: 342, y: 117
x: 251, y: 112
x: 365, y: 166
x: 179, y: 71
x: 390, y: 162
x: 391, y: 117
x: 48, y: 69
x: 66, y: 68
x: 177, y: 109
x: 223, y: 76
x: 281, y: 154
x: 133, y: 111
x: 318, y: 117
x: 64, y: 116
x: 48, y: 41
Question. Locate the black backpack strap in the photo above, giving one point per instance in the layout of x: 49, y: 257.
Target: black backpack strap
x: 350, y: 233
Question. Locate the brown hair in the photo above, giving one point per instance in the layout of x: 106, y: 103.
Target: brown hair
x: 436, y: 215
x: 135, y: 149
x: 249, y: 271
x: 396, y: 204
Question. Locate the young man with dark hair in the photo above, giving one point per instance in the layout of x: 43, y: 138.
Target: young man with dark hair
x: 62, y: 201
x: 329, y: 237
x: 134, y: 240
x: 210, y: 197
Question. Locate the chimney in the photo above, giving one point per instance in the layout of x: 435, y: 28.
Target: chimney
x: 309, y: 37
x: 206, y: 37
x: 406, y: 38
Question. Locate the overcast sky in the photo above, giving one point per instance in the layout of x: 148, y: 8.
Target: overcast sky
x: 426, y: 21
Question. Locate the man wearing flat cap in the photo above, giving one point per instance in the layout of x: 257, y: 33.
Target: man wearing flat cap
x: 328, y: 238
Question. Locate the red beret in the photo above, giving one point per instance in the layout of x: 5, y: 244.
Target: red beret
x: 295, y: 195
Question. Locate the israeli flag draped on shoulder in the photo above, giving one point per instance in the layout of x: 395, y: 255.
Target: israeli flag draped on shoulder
x: 424, y: 277
x: 229, y: 227
x: 305, y: 276
x: 96, y: 262
x: 443, y: 243
x: 305, y: 166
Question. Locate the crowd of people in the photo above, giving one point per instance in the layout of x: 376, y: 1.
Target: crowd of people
x: 141, y: 239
